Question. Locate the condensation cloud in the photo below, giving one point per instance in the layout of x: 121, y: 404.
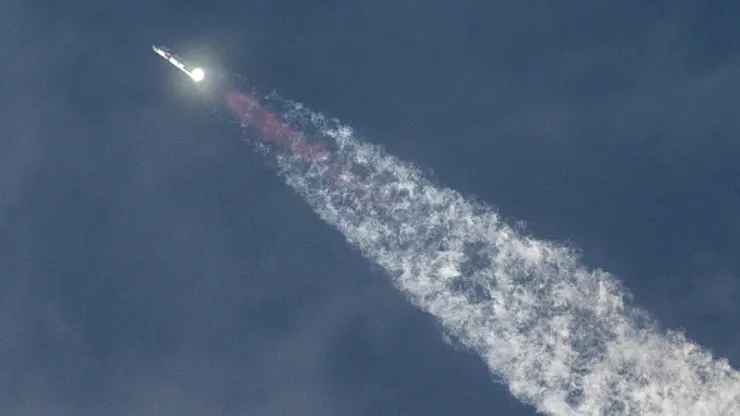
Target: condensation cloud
x: 561, y: 336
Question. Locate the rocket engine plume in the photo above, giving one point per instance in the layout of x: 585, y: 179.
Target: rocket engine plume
x: 250, y: 111
x: 559, y: 335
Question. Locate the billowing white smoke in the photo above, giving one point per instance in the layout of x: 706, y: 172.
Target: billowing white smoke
x: 559, y: 335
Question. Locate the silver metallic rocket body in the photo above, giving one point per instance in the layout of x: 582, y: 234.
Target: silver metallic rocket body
x: 196, y: 74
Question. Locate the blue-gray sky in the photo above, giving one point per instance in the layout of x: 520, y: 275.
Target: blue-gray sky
x: 152, y: 263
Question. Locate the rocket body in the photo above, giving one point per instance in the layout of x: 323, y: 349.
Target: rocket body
x: 196, y: 74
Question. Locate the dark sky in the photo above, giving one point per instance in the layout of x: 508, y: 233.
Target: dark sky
x: 151, y: 263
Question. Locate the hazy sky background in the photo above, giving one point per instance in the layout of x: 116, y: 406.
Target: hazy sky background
x: 152, y: 263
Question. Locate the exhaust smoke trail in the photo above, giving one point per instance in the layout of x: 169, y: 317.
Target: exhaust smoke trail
x: 559, y: 335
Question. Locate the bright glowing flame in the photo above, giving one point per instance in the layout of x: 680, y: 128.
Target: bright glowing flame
x: 197, y: 74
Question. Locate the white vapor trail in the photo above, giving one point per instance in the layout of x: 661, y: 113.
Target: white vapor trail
x: 559, y: 335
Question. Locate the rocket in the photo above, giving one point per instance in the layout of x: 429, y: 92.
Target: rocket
x: 195, y: 73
